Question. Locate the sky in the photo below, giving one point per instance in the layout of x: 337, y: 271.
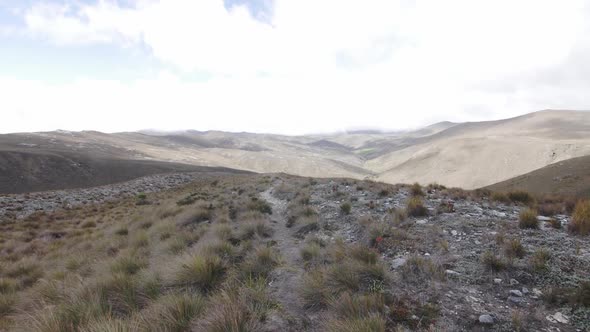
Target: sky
x: 287, y: 66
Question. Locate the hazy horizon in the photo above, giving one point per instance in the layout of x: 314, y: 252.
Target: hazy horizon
x: 287, y: 67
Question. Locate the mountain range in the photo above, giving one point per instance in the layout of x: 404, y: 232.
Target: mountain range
x: 468, y: 155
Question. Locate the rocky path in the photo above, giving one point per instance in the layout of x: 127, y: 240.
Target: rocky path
x: 288, y: 276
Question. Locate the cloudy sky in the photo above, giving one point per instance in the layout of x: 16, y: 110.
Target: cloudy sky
x: 287, y: 66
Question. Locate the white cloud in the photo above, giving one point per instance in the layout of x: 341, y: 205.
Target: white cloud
x: 317, y: 65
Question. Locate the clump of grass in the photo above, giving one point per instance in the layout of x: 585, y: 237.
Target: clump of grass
x: 358, y: 306
x: 263, y: 229
x: 242, y: 307
x: 574, y: 296
x: 310, y: 252
x: 120, y: 294
x: 104, y: 324
x: 7, y: 304
x: 177, y: 245
x: 418, y: 268
x: 416, y: 190
x: 514, y: 249
x: 249, y: 229
x: 580, y: 223
x: 364, y: 254
x: 223, y: 231
x: 228, y: 313
x: 8, y: 286
x: 141, y: 240
x: 172, y: 312
x: 399, y: 215
x: 260, y: 205
x: 128, y: 264
x: 528, y: 219
x: 375, y: 323
x: 314, y: 292
x: 520, y: 196
x: 88, y: 224
x: 500, y: 197
x: 260, y: 263
x: 517, y: 318
x: 345, y: 208
x: 540, y: 259
x: 122, y: 231
x: 415, y: 207
x: 67, y: 316
x: 223, y: 249
x: 27, y: 272
x: 196, y: 216
x: 492, y: 262
x: 204, y: 272
x: 190, y: 199
x: 145, y: 225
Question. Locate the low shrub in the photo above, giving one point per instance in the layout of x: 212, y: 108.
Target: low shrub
x: 345, y: 207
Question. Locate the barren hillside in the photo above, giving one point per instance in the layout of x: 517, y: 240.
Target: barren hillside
x: 569, y: 177
x: 467, y: 155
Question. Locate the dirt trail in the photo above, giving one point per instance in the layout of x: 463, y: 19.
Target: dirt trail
x: 287, y: 277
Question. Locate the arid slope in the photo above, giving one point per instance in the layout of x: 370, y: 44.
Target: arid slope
x: 568, y: 177
x: 467, y: 155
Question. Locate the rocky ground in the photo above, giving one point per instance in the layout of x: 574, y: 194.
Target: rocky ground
x: 467, y: 296
x: 22, y: 205
x: 332, y: 255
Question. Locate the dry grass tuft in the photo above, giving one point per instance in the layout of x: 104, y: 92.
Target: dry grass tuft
x: 416, y: 190
x: 172, y: 313
x: 528, y: 219
x: 514, y: 249
x: 540, y: 259
x: 521, y: 197
x: 492, y: 262
x: 415, y: 207
x: 580, y: 223
x: 204, y: 272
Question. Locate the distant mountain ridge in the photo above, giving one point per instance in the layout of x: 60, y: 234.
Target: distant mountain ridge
x: 468, y: 155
